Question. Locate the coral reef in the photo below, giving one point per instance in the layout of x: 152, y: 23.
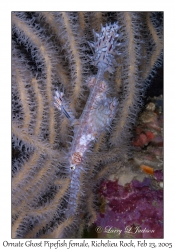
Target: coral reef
x: 132, y: 200
x: 149, y: 135
x: 135, y: 210
x: 51, y: 52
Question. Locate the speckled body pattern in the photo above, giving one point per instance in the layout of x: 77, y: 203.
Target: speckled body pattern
x: 96, y: 117
x: 99, y: 109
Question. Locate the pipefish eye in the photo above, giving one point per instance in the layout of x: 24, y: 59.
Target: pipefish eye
x: 72, y: 167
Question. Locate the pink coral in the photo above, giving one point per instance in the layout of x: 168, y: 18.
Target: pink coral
x: 143, y: 139
x: 149, y: 127
x: 136, y: 209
